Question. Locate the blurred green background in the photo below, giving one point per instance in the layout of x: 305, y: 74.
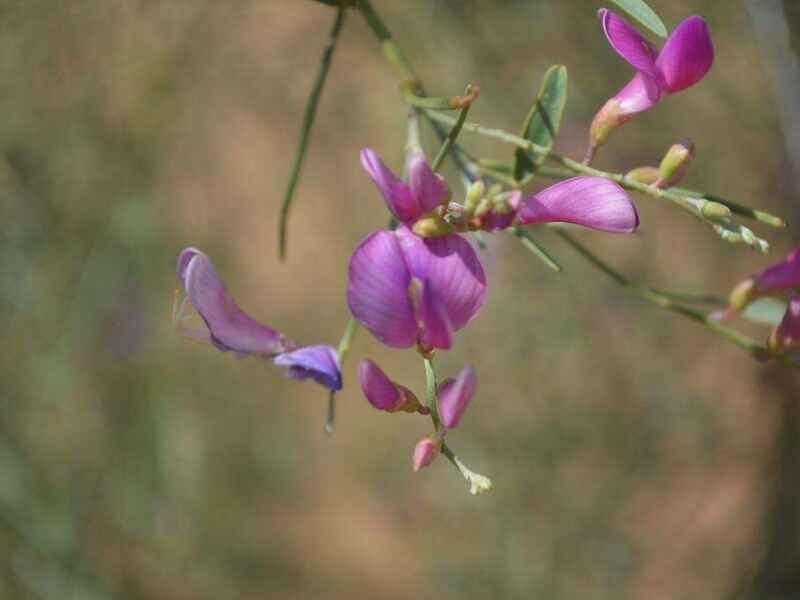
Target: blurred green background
x: 634, y: 454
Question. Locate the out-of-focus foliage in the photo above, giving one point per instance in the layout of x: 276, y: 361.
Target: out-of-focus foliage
x: 631, y: 451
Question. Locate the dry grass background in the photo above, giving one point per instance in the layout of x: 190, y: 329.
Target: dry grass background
x: 631, y: 451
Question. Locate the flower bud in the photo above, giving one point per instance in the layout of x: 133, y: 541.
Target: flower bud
x: 474, y: 195
x: 743, y: 294
x: 646, y: 175
x: 605, y: 122
x: 385, y: 394
x: 715, y: 211
x: 455, y: 395
x: 674, y: 164
x: 432, y: 226
x: 786, y: 336
x: 426, y: 451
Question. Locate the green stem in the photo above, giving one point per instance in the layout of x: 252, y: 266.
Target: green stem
x: 391, y: 51
x: 347, y: 339
x: 432, y: 392
x: 759, y: 351
x: 451, y: 137
x: 305, y: 132
x: 342, y: 350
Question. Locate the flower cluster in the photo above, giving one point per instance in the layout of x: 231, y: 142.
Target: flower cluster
x: 419, y: 284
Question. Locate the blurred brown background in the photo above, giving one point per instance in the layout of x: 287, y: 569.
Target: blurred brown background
x: 634, y: 454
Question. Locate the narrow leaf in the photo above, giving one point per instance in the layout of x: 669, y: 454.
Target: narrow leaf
x: 537, y: 250
x: 544, y: 118
x: 305, y: 131
x: 765, y: 311
x: 640, y: 11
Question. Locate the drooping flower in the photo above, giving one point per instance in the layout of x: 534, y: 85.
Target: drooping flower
x: 408, y: 202
x: 786, y: 336
x: 455, y: 395
x: 385, y: 394
x: 320, y: 363
x: 781, y: 276
x: 683, y: 61
x: 230, y: 329
x: 408, y: 290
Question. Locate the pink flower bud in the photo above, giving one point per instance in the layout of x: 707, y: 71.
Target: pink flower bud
x: 426, y: 451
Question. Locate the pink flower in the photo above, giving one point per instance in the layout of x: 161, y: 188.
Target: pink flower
x: 593, y: 202
x: 407, y: 290
x: 683, y: 61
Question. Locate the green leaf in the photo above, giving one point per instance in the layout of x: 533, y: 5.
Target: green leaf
x: 544, y: 118
x: 640, y: 11
x: 765, y: 311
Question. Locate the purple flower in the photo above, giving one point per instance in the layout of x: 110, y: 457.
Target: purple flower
x: 593, y: 202
x: 408, y: 290
x: 786, y: 336
x: 424, y: 191
x: 455, y: 395
x: 385, y: 394
x: 320, y: 363
x: 683, y: 61
x: 781, y: 276
x: 230, y: 329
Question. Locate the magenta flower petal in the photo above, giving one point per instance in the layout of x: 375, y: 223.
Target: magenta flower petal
x: 436, y: 330
x: 425, y: 452
x: 398, y: 195
x: 786, y: 335
x: 629, y: 43
x: 320, y: 363
x: 593, y: 202
x: 782, y: 275
x: 454, y: 397
x: 687, y: 56
x: 377, y: 290
x: 428, y: 187
x: 230, y: 327
x: 380, y: 391
x: 641, y: 94
x: 452, y: 268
